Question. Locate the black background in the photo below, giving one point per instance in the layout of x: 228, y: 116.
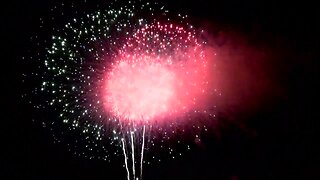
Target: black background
x: 285, y: 146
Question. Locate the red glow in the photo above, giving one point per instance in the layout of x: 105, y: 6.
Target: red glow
x: 144, y: 86
x: 140, y: 90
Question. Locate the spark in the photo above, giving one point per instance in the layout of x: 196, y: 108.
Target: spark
x: 132, y: 154
x: 125, y: 158
x: 142, y: 151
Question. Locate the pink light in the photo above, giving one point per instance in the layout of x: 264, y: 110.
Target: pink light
x: 140, y: 90
x: 157, y: 75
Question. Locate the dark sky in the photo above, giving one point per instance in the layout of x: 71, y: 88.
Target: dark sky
x: 272, y: 138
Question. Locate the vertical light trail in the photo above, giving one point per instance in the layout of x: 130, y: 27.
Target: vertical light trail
x: 142, y: 148
x: 132, y: 153
x: 125, y: 158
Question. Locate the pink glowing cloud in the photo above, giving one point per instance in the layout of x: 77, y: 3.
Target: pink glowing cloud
x: 161, y: 72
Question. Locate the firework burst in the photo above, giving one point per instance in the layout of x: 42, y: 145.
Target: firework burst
x: 127, y: 76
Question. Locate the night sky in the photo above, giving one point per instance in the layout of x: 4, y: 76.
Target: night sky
x: 269, y: 133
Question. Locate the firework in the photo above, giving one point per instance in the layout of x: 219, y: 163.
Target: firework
x: 118, y: 75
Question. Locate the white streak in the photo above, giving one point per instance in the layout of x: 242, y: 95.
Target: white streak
x: 125, y: 158
x: 133, y: 160
x: 142, y: 149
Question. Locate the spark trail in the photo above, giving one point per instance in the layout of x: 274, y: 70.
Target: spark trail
x: 142, y: 150
x: 125, y: 158
x: 132, y: 154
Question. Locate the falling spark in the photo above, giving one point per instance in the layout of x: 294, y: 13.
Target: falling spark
x: 125, y: 158
x: 132, y: 154
x: 142, y: 151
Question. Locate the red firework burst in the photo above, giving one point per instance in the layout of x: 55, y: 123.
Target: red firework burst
x: 160, y: 72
